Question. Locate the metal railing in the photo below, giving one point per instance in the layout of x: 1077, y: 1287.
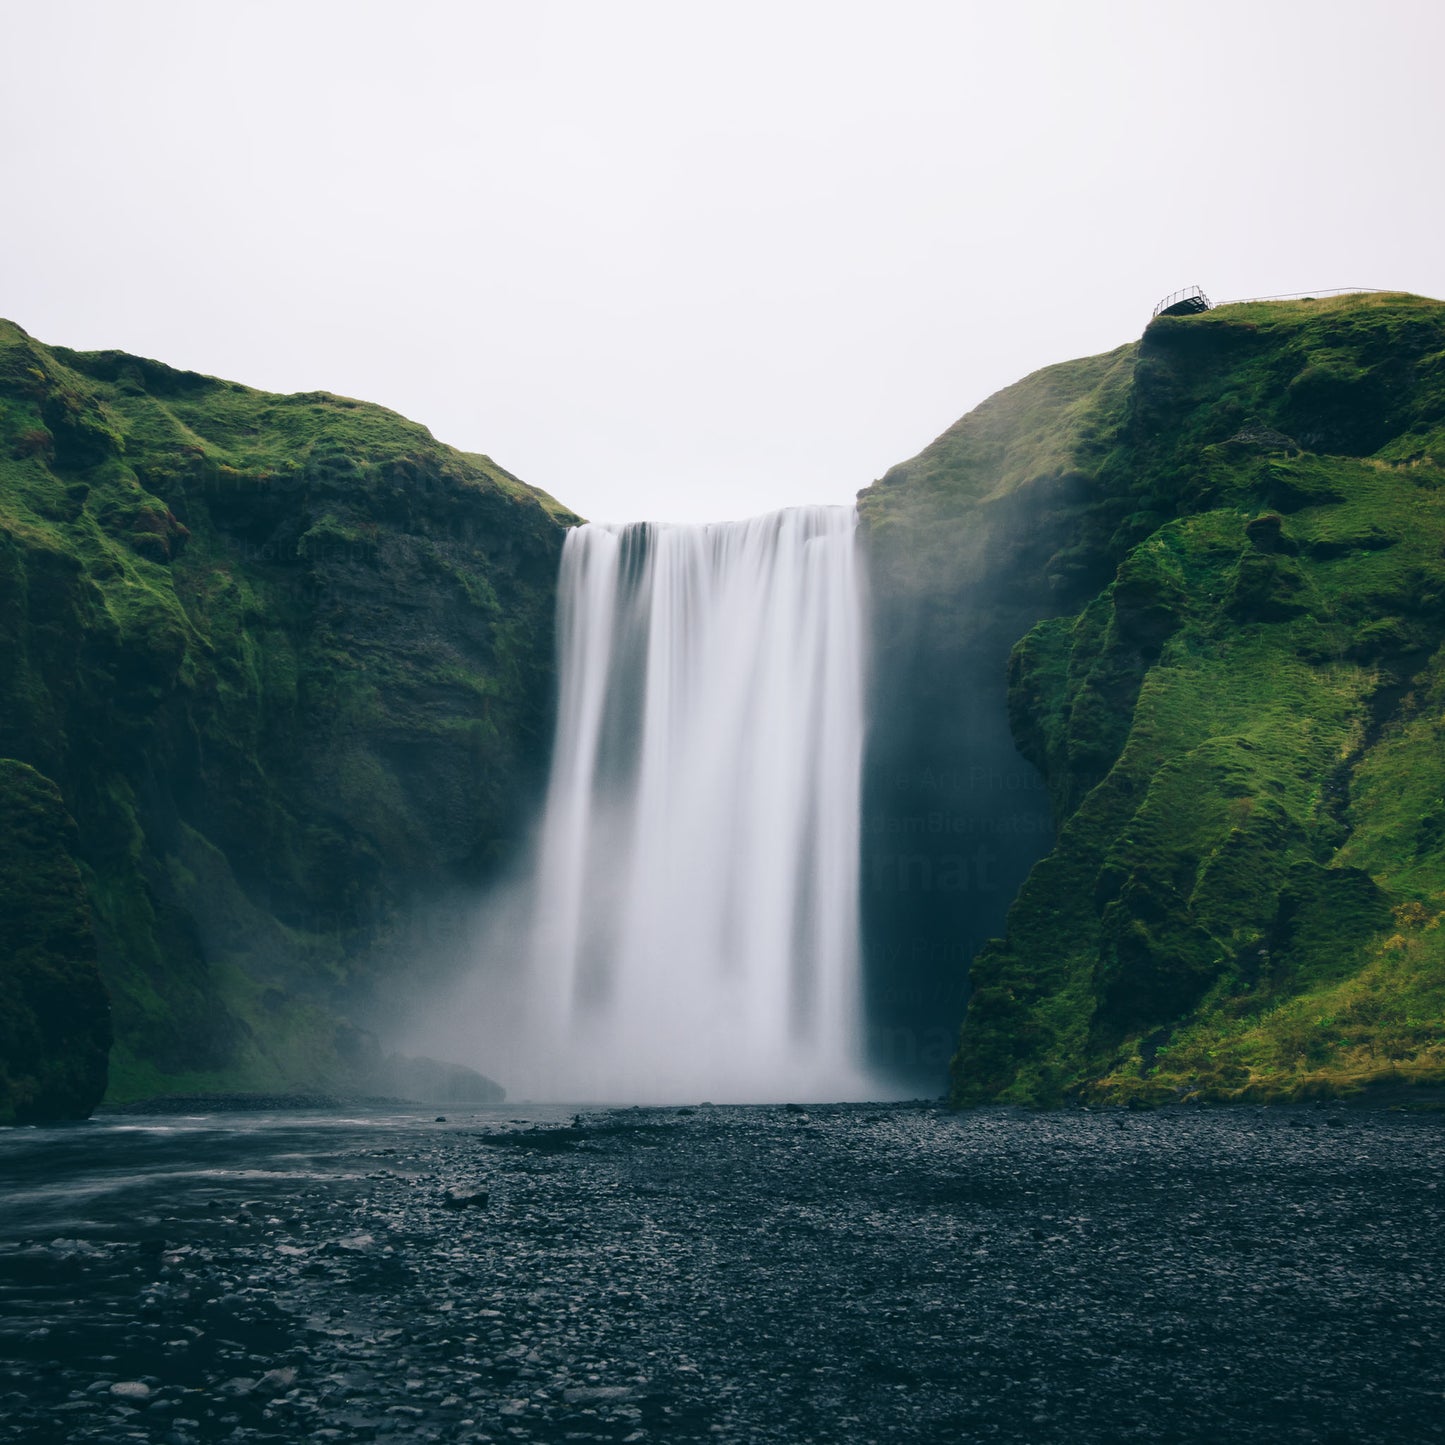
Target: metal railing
x: 1309, y: 295
x: 1189, y: 293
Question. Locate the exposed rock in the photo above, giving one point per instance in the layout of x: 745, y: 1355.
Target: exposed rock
x: 1264, y: 439
x: 455, y: 1198
x: 430, y: 1081
x: 598, y: 1394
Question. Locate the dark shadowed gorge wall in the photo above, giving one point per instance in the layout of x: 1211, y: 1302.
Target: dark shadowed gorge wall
x: 969, y: 544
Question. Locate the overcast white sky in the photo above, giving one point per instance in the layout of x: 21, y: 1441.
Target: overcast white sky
x: 696, y: 260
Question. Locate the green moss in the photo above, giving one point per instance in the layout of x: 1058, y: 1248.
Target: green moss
x: 54, y: 1014
x: 1239, y: 720
x: 288, y: 660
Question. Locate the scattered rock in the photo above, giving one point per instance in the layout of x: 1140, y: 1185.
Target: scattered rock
x: 465, y: 1199
x: 133, y: 1390
x: 1263, y: 438
x: 598, y: 1394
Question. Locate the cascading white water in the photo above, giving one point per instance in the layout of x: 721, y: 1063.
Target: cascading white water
x: 694, y: 915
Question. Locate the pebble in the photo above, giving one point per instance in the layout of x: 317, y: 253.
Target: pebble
x: 888, y: 1273
x: 596, y: 1394
x: 465, y: 1199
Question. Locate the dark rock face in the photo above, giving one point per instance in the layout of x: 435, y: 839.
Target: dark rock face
x: 426, y: 1081
x: 54, y: 1013
x: 288, y: 661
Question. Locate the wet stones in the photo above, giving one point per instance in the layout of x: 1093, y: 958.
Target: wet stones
x: 461, y: 1198
x: 598, y: 1394
x: 745, y: 1274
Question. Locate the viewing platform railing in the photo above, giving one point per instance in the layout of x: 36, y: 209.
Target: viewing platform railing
x: 1187, y: 302
x: 1192, y: 300
x: 1308, y: 295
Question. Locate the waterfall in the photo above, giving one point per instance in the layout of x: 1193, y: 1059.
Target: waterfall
x: 693, y: 927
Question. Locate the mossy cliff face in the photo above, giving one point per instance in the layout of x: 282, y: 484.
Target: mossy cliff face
x: 1233, y: 686
x: 286, y: 663
x: 54, y: 1014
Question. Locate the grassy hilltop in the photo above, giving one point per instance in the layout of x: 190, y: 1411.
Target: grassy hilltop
x: 1219, y: 555
x: 272, y: 669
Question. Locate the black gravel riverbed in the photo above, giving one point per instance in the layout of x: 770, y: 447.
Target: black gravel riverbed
x: 833, y: 1274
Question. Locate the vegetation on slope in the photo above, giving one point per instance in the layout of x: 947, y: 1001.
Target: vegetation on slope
x: 285, y: 660
x: 54, y: 1015
x: 1235, y: 690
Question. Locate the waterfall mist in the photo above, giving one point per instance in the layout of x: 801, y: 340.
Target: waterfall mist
x: 689, y: 925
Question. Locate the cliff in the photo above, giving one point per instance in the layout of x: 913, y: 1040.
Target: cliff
x: 276, y: 672
x: 1154, y: 778
x: 1215, y: 560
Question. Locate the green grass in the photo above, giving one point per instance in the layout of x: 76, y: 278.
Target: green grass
x: 287, y: 660
x: 1235, y: 694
